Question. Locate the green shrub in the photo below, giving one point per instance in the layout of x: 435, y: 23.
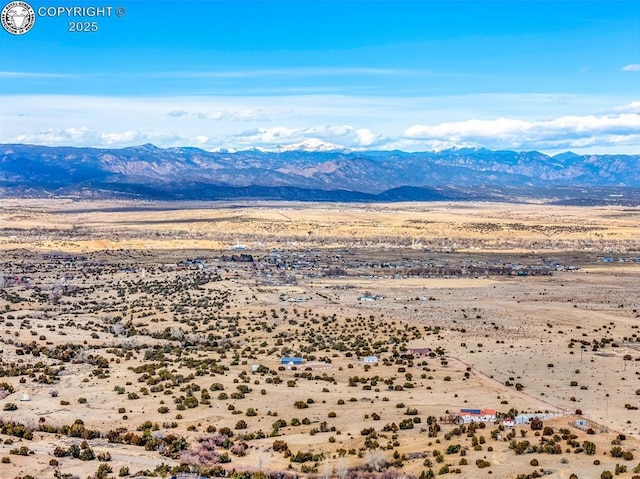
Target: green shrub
x: 589, y: 448
x: 279, y: 446
x: 406, y: 424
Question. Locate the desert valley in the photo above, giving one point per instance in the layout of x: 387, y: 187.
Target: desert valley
x: 264, y: 339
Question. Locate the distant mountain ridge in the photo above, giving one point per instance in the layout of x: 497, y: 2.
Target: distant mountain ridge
x: 149, y: 172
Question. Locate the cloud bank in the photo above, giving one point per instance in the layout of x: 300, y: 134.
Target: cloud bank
x: 558, y: 133
x: 246, y: 114
x: 342, y: 135
x: 554, y: 122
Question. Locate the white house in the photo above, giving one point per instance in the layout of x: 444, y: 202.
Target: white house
x: 477, y: 415
x: 509, y: 422
x: 367, y: 298
x: 526, y: 418
x: 581, y: 423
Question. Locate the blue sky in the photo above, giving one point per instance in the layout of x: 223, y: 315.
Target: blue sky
x: 413, y: 75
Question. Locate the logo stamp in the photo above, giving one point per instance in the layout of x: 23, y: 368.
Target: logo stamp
x: 18, y: 17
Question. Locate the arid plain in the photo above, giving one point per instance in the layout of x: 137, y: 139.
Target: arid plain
x: 154, y: 331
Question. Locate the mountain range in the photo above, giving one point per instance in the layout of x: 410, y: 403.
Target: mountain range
x: 317, y: 174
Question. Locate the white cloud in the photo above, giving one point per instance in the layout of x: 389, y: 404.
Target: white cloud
x: 298, y: 72
x: 633, y: 67
x: 59, y: 136
x: 343, y: 135
x: 289, y: 72
x: 177, y: 113
x: 340, y: 135
x: 248, y: 114
x: 508, y: 133
x: 545, y: 122
x: 214, y: 115
x: 245, y: 114
x: 366, y: 137
x: 84, y: 136
x: 5, y: 74
x: 633, y: 107
x: 132, y: 137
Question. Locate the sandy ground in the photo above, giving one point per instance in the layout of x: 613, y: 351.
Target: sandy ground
x: 87, y: 226
x: 569, y: 340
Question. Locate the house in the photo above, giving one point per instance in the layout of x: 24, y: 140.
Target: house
x: 477, y: 415
x: 522, y: 419
x: 580, y: 423
x: 290, y: 361
x: 367, y: 298
x: 509, y: 422
x: 370, y: 359
x: 526, y: 418
x: 418, y: 352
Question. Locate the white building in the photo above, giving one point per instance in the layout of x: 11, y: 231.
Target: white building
x: 477, y: 415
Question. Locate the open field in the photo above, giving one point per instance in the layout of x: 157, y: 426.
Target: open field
x: 142, y: 329
x: 89, y: 226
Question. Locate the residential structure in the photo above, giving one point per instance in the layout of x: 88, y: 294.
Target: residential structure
x: 581, y: 423
x: 477, y: 415
x: 420, y: 351
x: 509, y: 422
x: 290, y: 361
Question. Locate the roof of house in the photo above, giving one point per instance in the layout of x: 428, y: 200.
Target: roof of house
x: 478, y: 412
x: 290, y: 359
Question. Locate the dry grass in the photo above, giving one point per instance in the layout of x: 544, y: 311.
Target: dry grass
x: 495, y: 331
x: 91, y: 226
